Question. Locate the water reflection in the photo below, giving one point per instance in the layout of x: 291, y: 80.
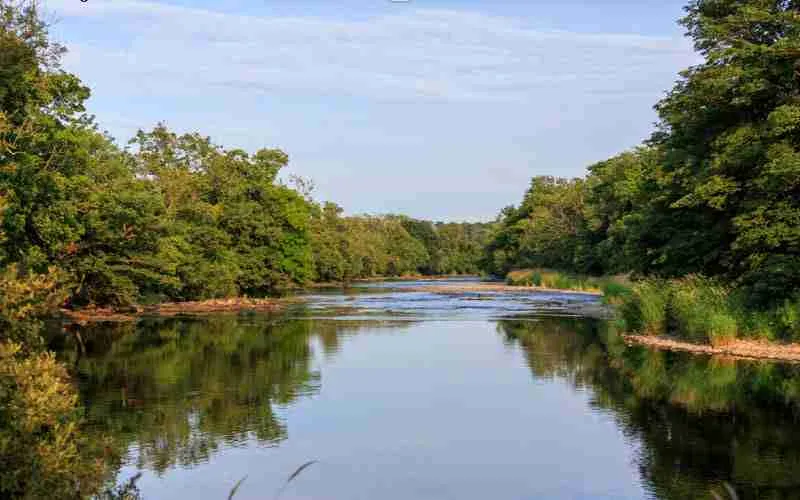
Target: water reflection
x: 179, y: 392
x: 702, y: 422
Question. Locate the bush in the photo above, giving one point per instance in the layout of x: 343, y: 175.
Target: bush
x: 686, y: 311
x: 612, y: 289
x: 23, y: 302
x: 787, y: 318
x: 42, y: 454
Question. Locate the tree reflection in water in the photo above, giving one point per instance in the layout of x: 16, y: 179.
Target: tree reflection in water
x: 701, y: 422
x: 173, y: 392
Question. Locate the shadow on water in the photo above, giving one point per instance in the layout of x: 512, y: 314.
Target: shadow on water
x: 177, y: 392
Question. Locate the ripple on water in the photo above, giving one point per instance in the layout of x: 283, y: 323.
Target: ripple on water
x: 405, y: 299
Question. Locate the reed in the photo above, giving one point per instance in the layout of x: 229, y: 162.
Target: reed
x: 702, y: 310
x: 547, y: 278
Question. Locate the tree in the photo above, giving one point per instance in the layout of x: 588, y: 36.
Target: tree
x: 618, y: 211
x: 68, y: 197
x: 546, y: 230
x: 730, y: 132
x: 232, y: 227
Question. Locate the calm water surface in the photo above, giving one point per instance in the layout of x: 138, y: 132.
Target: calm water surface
x: 416, y: 395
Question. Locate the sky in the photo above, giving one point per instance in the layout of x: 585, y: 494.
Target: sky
x: 438, y: 109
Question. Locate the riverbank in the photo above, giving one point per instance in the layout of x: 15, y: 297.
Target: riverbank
x: 99, y: 314
x: 743, y: 348
x: 454, y: 288
x: 555, y: 280
x: 739, y: 349
x: 389, y: 279
x: 691, y: 314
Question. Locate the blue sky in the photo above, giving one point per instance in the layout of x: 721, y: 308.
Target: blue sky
x: 436, y: 109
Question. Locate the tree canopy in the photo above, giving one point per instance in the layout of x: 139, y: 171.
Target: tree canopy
x: 715, y: 190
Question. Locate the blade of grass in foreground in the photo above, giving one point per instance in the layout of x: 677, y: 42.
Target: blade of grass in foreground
x: 236, y: 487
x: 294, y: 475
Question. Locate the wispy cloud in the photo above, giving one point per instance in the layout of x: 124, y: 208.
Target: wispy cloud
x: 437, y: 113
x: 416, y: 54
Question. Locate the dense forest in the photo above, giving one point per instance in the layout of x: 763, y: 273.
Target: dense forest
x: 714, y: 191
x: 346, y: 248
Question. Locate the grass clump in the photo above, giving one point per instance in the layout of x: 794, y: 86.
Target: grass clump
x: 693, y: 308
x: 644, y: 309
x: 722, y: 329
x: 702, y: 310
x: 787, y: 319
x: 545, y: 278
x: 693, y: 302
x: 614, y: 291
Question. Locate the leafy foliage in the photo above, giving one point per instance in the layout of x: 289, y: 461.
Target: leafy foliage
x: 703, y: 310
x: 42, y: 452
x: 347, y: 248
x: 23, y: 304
x: 716, y: 191
x: 544, y: 231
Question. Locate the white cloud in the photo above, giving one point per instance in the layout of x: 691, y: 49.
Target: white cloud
x: 454, y: 110
x: 413, y: 55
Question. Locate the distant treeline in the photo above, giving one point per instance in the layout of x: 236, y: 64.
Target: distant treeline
x: 714, y: 191
x: 171, y: 217
x: 345, y: 248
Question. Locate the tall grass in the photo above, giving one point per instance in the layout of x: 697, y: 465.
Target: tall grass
x: 546, y: 278
x: 644, y: 309
x: 693, y: 308
x: 702, y: 310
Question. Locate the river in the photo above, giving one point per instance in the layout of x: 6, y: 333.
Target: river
x: 379, y: 392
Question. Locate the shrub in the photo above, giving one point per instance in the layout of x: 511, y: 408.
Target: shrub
x: 702, y: 310
x: 757, y: 324
x: 686, y: 315
x: 563, y: 282
x: 615, y: 293
x: 42, y: 453
x: 614, y: 289
x: 23, y: 302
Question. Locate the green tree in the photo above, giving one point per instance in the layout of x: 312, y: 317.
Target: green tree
x: 460, y: 247
x: 329, y: 244
x: 730, y: 131
x: 546, y: 230
x: 69, y: 198
x: 618, y: 212
x: 233, y: 227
